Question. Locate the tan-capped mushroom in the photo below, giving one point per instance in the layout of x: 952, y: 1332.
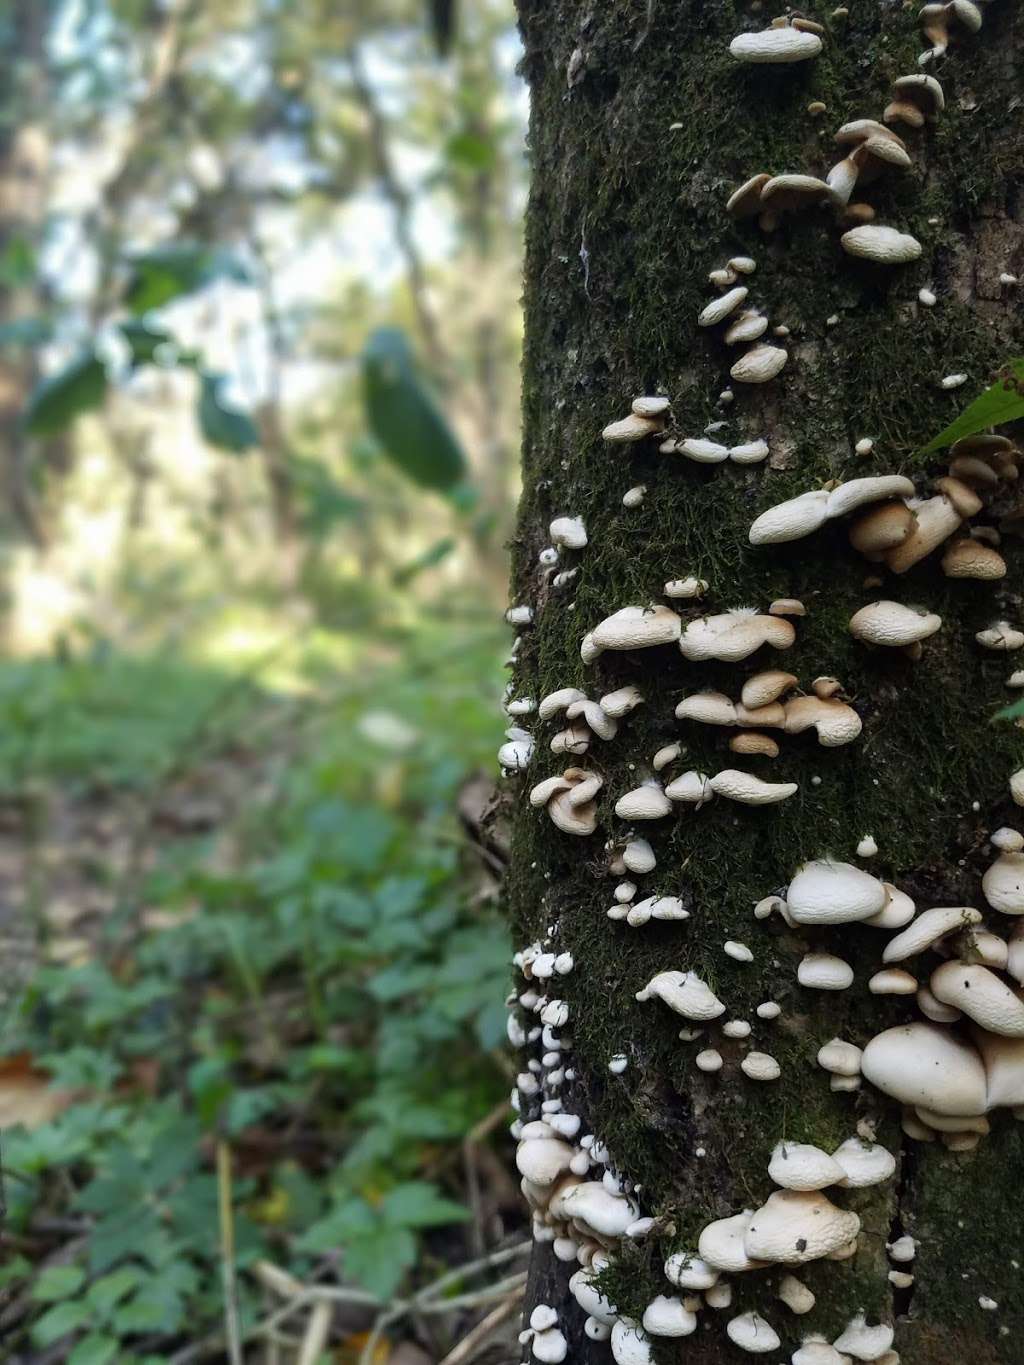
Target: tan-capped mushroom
x: 834, y: 722
x: 759, y: 365
x: 745, y: 202
x: 883, y: 245
x: 752, y: 742
x: 631, y: 428
x: 764, y: 688
x: 916, y: 100
x: 893, y: 625
x: 971, y: 558
x: 881, y: 529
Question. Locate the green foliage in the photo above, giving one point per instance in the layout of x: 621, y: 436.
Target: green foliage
x: 170, y: 271
x: 222, y: 425
x: 337, y: 972
x: 404, y: 417
x: 1001, y: 402
x: 80, y: 386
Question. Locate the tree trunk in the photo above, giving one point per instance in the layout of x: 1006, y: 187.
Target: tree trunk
x: 642, y: 127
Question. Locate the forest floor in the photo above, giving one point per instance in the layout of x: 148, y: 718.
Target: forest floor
x: 252, y: 1001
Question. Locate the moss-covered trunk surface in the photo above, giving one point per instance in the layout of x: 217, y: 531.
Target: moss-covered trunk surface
x: 642, y: 127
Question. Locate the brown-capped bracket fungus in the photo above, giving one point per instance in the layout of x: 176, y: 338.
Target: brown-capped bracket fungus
x: 570, y: 800
x: 916, y: 100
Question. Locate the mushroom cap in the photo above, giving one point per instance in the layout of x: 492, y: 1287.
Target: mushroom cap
x: 775, y: 45
x: 719, y: 309
x: 892, y: 981
x: 928, y: 928
x: 750, y: 1331
x: 690, y: 787
x: 757, y: 1066
x: 637, y: 628
x: 1003, y: 884
x: 924, y: 91
x: 638, y: 857
x: 572, y: 817
x: 609, y: 1215
x: 979, y: 993
x: 859, y: 130
x: 760, y: 364
x: 685, y: 993
x: 646, y: 802
x: 963, y: 497
x: 925, y: 1064
x: 796, y: 1226
x: 791, y: 520
x: 764, y: 688
x: 685, y: 587
x: 824, y: 972
x: 542, y: 1159
x: 668, y: 1317
x: 721, y: 1243
x: 568, y: 531
x: 549, y: 1347
x: 856, y: 493
x: 745, y: 201
x: 733, y: 635
x: 713, y: 708
x: 818, y: 1351
x: 630, y: 1344
x: 892, y: 624
x: 594, y: 715
x: 750, y: 790
x: 840, y: 1057
x: 703, y: 452
x: 971, y: 558
x: 753, y: 742
x: 654, y: 406
x: 864, y: 1342
x: 829, y: 892
x: 620, y: 702
x: 897, y: 911
x: 590, y: 1298
x: 863, y: 1163
x: 884, y: 245
x: 834, y: 721
x: 788, y: 192
x: 631, y: 428
x: 802, y: 1166
x: 1001, y: 637
x: 687, y: 1270
x: 1003, y: 1060
x: 935, y: 520
x: 747, y: 327
x: 883, y: 528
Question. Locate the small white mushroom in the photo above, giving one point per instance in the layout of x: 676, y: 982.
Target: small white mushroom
x: 569, y: 532
x: 795, y: 1295
x: 801, y: 1166
x: 646, y: 802
x: 797, y: 1226
x: 710, y: 1060
x: 775, y: 45
x: 892, y: 981
x: 634, y: 496
x: 636, y: 628
x: 840, y: 1057
x: 1001, y: 637
x: 667, y: 1317
x: 638, y: 857
x: 867, y: 847
x: 828, y: 892
x: 760, y: 1066
x: 685, y: 993
x: 703, y: 451
x: 749, y: 790
x: 685, y: 587
x: 863, y: 1163
x: 656, y: 405
x: 884, y: 245
x: 630, y: 1344
x: 759, y: 365
x: 751, y: 452
x: 927, y: 1065
x: 621, y: 702
x: 891, y: 624
x: 719, y: 309
x: 928, y: 928
x: 864, y: 1342
x: 750, y: 1331
x: 824, y: 972
x: 631, y: 428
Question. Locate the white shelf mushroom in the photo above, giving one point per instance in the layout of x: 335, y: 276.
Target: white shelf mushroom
x: 979, y: 993
x: 802, y: 1166
x: 775, y: 46
x: 893, y: 625
x: 635, y: 628
x: 791, y: 520
x: 864, y: 1342
x: 687, y: 1270
x: 569, y: 532
x: 829, y: 892
x: 795, y: 1295
x: 760, y: 364
x: 883, y: 245
x: 749, y: 790
x: 685, y: 993
x: 863, y: 1163
x: 668, y: 1317
x: 797, y: 1226
x: 925, y: 1064
x: 928, y: 929
x: 750, y: 1331
x: 824, y: 972
x: 630, y: 1344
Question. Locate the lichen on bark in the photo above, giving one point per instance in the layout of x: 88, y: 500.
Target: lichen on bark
x: 641, y: 127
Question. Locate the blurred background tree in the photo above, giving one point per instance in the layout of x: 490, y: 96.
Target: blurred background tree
x: 259, y: 347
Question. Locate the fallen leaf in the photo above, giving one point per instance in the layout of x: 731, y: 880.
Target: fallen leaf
x: 27, y: 1097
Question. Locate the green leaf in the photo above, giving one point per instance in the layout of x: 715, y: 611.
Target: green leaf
x: 168, y: 272
x: 57, y: 1282
x: 1002, y: 401
x: 105, y: 1293
x: 404, y: 417
x: 59, y: 1321
x: 433, y: 555
x: 379, y: 1260
x: 144, y: 339
x: 58, y: 399
x: 221, y: 425
x: 472, y: 151
x: 95, y: 1349
x: 420, y: 1204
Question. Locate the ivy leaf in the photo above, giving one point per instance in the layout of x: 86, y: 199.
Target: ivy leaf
x: 222, y: 425
x: 59, y: 1321
x: 61, y: 397
x: 404, y: 416
x: 1002, y: 401
x: 95, y: 1349
x: 378, y: 1260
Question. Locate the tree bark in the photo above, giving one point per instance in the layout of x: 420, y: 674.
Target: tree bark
x: 642, y: 127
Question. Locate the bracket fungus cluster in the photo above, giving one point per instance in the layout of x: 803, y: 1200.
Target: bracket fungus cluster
x: 758, y: 364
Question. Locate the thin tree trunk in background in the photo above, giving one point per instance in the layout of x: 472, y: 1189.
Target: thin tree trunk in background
x: 642, y: 127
